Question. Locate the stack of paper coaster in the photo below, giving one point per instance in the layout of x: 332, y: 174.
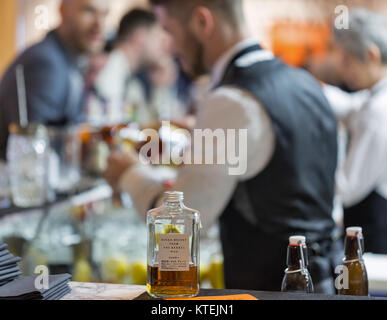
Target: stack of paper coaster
x: 13, y: 287
x: 9, y: 269
x: 30, y: 288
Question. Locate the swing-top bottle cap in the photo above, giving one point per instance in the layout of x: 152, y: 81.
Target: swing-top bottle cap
x: 354, y: 231
x: 173, y: 196
x: 297, y: 240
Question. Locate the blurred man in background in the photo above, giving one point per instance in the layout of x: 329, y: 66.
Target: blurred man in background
x: 140, y: 45
x: 291, y: 155
x: 362, y: 178
x: 54, y: 69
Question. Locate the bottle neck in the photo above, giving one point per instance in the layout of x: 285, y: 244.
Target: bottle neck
x: 354, y: 247
x: 174, y: 205
x: 173, y: 199
x: 296, y: 257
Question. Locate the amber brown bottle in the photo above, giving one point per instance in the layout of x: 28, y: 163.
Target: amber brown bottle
x: 357, y: 282
x: 297, y: 277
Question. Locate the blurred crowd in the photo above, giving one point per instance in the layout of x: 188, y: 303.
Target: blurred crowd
x: 77, y: 74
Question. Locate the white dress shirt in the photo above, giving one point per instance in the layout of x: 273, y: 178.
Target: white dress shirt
x: 364, y: 115
x: 112, y: 78
x: 209, y: 188
x: 111, y: 84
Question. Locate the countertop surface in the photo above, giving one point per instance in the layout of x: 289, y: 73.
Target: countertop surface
x: 98, y: 291
x: 102, y: 291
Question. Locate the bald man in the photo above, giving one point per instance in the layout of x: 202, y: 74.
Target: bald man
x: 54, y: 69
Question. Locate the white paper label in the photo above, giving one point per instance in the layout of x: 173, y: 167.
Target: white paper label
x: 173, y: 252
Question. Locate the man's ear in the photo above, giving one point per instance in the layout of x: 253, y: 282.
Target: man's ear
x: 66, y: 8
x: 138, y: 37
x: 62, y: 9
x: 202, y: 23
x: 374, y: 54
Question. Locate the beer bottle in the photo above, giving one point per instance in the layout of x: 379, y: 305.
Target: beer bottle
x: 297, y: 277
x: 357, y: 282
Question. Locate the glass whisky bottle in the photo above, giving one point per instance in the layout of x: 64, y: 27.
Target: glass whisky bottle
x: 173, y: 249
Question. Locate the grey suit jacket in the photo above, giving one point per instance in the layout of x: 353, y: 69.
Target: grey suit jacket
x: 54, y: 87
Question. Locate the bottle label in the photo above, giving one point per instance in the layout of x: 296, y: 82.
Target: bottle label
x: 173, y: 252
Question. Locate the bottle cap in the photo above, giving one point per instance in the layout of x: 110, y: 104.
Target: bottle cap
x: 37, y: 130
x: 173, y: 196
x: 297, y: 240
x: 354, y: 231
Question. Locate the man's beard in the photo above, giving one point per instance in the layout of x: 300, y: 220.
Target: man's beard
x: 197, y: 67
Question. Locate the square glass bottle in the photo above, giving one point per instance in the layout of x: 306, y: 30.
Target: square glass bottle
x: 173, y: 249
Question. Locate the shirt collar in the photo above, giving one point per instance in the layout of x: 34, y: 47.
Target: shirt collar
x: 380, y: 85
x: 222, y: 63
x: 82, y: 63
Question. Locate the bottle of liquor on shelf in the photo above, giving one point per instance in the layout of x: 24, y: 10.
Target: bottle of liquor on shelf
x: 357, y: 282
x: 297, y: 277
x: 173, y: 249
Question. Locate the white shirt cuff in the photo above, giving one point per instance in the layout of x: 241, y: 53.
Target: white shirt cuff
x: 144, y: 184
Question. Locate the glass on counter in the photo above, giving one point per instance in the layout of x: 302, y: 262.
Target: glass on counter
x: 65, y: 158
x: 27, y: 162
x: 4, y: 185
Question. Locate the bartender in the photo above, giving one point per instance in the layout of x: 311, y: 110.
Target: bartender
x: 53, y: 69
x: 288, y: 185
x: 362, y: 178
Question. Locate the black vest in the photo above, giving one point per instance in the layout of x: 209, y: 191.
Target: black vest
x: 294, y: 193
x: 371, y: 215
